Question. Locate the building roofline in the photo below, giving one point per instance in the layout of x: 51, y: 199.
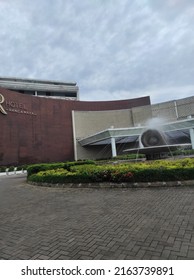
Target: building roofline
x: 36, y: 81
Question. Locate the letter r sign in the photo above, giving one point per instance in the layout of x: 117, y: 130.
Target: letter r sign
x: 2, y: 110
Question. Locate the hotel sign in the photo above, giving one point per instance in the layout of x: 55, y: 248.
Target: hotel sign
x: 13, y: 106
x: 2, y: 110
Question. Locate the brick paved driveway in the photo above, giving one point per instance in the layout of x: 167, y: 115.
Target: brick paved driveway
x: 44, y: 223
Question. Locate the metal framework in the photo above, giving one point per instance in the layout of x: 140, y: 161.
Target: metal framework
x: 122, y: 135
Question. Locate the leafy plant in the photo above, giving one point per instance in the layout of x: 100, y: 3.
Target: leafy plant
x: 160, y: 170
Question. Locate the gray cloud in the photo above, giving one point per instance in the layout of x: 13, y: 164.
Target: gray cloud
x: 113, y: 49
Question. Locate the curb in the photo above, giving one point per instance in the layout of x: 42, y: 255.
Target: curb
x: 116, y: 185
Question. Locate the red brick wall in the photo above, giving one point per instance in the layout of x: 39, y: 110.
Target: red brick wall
x: 40, y: 129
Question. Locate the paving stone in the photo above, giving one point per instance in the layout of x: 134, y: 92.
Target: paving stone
x: 46, y: 223
x: 165, y: 254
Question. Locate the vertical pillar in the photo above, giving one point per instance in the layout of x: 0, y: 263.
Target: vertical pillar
x: 113, y: 147
x: 140, y: 143
x: 176, y: 110
x: 191, y: 130
x: 74, y: 135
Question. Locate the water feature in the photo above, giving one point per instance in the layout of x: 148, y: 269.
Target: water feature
x: 156, y: 143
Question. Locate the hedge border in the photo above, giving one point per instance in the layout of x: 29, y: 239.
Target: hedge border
x: 117, y: 174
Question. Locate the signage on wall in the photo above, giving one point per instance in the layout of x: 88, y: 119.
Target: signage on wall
x: 13, y: 106
x: 2, y: 110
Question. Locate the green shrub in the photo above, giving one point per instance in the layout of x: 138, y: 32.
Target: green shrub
x: 181, y: 152
x: 11, y: 168
x: 84, y: 174
x: 68, y: 165
x: 35, y: 168
x: 130, y: 156
x: 22, y: 167
x: 122, y: 157
x: 58, y: 176
x: 165, y: 174
x: 3, y: 168
x: 73, y: 172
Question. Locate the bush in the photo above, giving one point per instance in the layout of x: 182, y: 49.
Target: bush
x: 106, y: 173
x: 22, y: 167
x: 3, y: 168
x: 35, y: 168
x: 59, y: 176
x: 181, y: 152
x: 160, y: 170
x: 122, y: 157
x: 11, y: 168
x: 129, y: 156
x: 87, y: 176
x: 68, y: 165
x: 163, y: 174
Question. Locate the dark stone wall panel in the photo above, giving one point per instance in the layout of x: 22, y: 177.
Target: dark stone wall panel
x: 40, y: 129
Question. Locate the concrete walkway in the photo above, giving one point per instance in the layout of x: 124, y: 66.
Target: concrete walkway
x: 45, y: 223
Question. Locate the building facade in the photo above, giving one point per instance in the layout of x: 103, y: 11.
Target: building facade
x: 36, y: 129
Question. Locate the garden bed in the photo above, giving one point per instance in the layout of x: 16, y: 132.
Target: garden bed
x: 86, y: 172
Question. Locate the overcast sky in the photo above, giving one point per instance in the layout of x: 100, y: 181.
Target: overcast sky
x: 113, y: 49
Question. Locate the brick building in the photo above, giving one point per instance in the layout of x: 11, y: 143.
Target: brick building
x: 38, y: 129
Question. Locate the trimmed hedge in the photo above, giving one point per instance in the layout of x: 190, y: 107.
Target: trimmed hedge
x: 165, y: 174
x: 58, y: 176
x: 74, y: 172
x: 87, y: 175
x: 182, y: 152
x: 130, y: 156
x: 123, y: 157
x: 35, y: 168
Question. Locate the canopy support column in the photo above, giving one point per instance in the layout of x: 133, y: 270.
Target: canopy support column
x: 113, y: 147
x: 191, y: 130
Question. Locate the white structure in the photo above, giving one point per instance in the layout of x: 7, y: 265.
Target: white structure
x: 43, y: 88
x: 110, y: 133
